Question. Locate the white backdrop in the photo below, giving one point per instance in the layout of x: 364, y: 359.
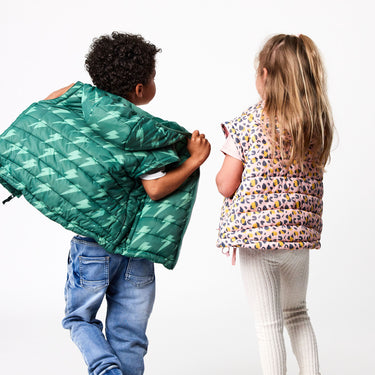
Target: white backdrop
x: 201, y: 323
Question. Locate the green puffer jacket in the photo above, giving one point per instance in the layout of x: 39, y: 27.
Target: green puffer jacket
x: 78, y: 158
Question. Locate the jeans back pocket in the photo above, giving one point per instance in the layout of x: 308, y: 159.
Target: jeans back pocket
x: 94, y: 272
x: 140, y: 272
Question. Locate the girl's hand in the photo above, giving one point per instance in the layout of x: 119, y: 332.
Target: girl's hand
x: 198, y: 147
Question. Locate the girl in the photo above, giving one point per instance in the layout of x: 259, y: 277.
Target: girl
x: 272, y: 178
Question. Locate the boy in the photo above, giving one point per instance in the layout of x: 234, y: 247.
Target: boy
x: 121, y: 179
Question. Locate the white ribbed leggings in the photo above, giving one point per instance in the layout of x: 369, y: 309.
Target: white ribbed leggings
x: 276, y: 283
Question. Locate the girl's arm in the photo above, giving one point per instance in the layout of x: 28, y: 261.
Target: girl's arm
x: 199, y: 149
x: 229, y: 177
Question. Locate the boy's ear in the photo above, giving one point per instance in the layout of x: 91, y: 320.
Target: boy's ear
x: 139, y: 90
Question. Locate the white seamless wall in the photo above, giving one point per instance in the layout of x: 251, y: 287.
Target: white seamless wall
x: 201, y: 323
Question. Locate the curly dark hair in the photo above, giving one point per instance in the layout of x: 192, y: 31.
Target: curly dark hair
x: 118, y: 62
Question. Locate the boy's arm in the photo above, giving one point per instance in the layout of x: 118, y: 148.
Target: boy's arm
x: 199, y: 149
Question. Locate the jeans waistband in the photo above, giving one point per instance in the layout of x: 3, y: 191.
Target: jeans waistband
x: 84, y: 238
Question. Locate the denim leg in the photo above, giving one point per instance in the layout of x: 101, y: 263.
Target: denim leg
x: 88, y: 278
x: 130, y: 299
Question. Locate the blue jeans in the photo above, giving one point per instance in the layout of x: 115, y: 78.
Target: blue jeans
x: 129, y: 287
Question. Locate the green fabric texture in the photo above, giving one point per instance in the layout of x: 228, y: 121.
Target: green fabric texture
x: 78, y: 158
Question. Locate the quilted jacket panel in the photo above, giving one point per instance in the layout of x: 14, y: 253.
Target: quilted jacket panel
x: 77, y: 159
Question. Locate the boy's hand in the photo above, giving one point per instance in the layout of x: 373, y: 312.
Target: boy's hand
x: 58, y: 93
x: 198, y: 147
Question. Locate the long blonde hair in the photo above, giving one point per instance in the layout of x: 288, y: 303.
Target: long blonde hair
x: 296, y: 101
